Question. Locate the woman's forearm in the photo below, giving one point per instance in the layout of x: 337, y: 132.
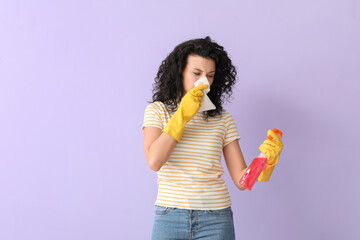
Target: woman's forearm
x: 237, y: 183
x: 160, y: 151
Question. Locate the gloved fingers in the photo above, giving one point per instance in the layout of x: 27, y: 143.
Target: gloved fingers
x: 275, y: 149
x: 273, y: 156
x: 200, y: 94
x: 274, y: 145
x: 271, y: 143
x: 275, y: 137
x: 270, y: 150
x: 201, y: 87
x: 198, y: 90
x: 267, y: 150
x: 196, y: 93
x: 198, y: 99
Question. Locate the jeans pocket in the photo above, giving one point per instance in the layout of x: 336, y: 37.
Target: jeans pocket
x: 224, y: 211
x: 160, y: 210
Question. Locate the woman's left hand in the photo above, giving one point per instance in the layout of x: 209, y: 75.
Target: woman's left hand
x: 272, y: 148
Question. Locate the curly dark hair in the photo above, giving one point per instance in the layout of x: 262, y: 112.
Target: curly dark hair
x: 168, y: 86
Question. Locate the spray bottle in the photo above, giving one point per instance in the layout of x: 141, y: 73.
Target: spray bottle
x: 252, y: 173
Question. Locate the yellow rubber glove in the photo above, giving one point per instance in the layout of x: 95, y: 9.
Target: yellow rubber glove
x: 272, y: 147
x: 188, y: 107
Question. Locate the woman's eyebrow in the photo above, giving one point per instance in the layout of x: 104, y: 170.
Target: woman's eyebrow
x: 202, y: 71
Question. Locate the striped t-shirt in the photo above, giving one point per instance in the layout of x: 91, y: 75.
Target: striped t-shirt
x: 191, y: 178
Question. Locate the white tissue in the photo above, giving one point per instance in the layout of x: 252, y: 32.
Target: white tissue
x: 206, y: 103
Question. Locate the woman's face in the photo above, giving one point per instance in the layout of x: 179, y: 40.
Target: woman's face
x: 197, y: 67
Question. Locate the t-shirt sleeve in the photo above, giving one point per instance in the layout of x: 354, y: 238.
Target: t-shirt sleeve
x: 231, y: 132
x: 152, y: 117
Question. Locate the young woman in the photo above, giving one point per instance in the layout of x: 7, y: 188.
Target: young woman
x: 185, y: 145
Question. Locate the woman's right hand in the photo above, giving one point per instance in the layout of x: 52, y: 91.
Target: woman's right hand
x: 191, y: 102
x: 188, y: 107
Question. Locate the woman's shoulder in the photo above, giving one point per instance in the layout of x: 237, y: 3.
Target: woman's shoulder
x: 158, y: 105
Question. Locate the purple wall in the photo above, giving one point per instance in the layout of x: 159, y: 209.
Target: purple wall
x: 74, y: 81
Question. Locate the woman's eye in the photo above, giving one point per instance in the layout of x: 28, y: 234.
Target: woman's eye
x: 211, y: 76
x: 196, y: 73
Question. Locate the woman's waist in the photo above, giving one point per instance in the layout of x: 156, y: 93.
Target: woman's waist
x: 189, y: 184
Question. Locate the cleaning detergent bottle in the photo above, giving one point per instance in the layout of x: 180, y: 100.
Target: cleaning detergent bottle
x: 252, y: 173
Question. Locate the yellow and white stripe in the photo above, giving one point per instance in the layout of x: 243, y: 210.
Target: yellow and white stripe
x: 191, y: 178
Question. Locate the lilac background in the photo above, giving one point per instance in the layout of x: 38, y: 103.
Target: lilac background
x: 74, y: 80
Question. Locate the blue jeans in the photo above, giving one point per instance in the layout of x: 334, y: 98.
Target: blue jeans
x: 174, y: 223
